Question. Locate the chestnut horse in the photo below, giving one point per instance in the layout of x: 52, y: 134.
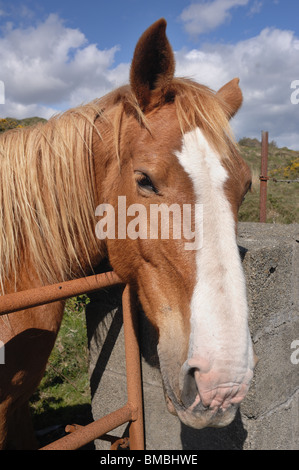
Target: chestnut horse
x: 158, y: 140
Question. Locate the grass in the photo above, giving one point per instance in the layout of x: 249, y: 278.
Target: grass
x: 63, y: 396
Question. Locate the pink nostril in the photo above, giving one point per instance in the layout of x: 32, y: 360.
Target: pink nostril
x: 190, y: 384
x: 199, y: 364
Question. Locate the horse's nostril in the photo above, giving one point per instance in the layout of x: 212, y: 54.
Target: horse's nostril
x: 189, y: 388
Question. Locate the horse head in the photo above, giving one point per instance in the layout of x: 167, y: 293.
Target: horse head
x: 175, y: 154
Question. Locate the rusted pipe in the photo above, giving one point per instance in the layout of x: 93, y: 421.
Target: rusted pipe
x: 264, y: 178
x: 85, y: 434
x: 133, y: 368
x: 46, y: 294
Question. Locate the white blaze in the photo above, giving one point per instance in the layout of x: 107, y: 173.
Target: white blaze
x: 220, y: 343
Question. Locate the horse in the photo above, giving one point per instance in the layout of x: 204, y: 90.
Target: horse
x: 160, y: 140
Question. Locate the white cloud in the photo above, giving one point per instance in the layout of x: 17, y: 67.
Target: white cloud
x: 266, y: 65
x: 199, y: 18
x: 49, y: 65
x: 256, y: 7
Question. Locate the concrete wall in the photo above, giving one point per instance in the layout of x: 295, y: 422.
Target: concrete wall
x: 269, y: 416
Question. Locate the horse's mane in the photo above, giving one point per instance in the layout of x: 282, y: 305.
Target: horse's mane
x: 47, y: 195
x: 47, y: 187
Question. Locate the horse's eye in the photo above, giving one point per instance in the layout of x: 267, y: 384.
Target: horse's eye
x: 146, y: 183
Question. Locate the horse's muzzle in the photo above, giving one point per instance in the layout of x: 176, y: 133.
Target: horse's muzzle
x: 198, y: 404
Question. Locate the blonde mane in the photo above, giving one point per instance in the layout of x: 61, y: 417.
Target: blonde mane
x: 47, y: 195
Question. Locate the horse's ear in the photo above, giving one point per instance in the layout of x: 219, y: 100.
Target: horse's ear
x: 153, y: 63
x: 231, y: 95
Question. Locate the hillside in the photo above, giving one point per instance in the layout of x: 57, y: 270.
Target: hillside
x: 11, y: 123
x: 283, y: 198
x: 283, y: 163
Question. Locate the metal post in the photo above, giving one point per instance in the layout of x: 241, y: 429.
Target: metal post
x: 133, y: 368
x: 264, y: 178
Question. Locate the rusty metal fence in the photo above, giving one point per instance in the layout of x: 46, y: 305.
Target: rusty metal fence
x: 132, y: 412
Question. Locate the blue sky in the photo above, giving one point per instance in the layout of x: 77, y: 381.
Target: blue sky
x: 56, y: 54
x: 121, y: 22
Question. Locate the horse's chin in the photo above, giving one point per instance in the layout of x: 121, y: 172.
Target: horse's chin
x: 198, y: 416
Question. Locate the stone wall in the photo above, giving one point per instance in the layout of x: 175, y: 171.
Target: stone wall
x: 269, y: 416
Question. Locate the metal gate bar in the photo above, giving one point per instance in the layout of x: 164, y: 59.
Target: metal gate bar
x: 46, y: 294
x: 92, y: 431
x: 133, y: 411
